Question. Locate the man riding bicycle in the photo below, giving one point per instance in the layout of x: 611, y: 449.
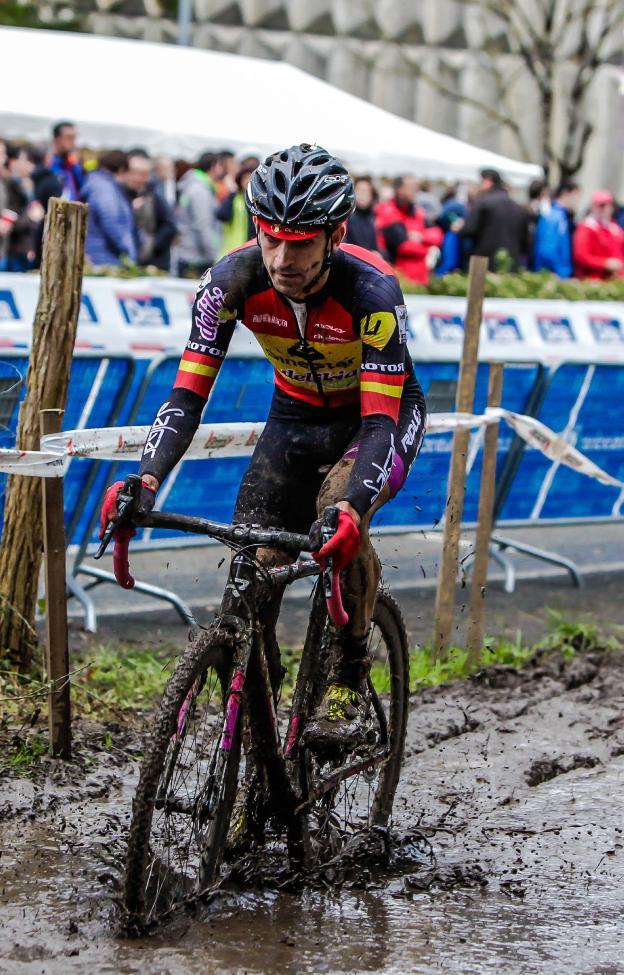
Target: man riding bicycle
x: 347, y: 416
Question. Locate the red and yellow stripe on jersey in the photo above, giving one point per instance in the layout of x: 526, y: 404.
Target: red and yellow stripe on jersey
x: 197, y: 372
x: 381, y: 393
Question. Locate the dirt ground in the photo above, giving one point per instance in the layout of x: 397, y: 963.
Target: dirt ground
x: 514, y: 778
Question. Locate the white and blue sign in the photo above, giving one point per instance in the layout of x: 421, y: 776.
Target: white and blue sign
x: 8, y: 307
x: 446, y: 327
x: 555, y: 328
x: 502, y: 328
x: 87, y: 315
x: 606, y: 330
x: 144, y: 309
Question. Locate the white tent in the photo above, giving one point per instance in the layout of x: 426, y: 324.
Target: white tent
x: 182, y: 101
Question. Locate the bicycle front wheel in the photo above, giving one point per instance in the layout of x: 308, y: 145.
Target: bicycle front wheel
x: 356, y: 791
x: 187, y: 786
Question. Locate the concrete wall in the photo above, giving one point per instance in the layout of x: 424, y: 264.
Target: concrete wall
x: 383, y: 51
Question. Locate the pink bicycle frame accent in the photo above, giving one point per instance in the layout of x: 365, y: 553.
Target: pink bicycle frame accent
x: 231, y: 712
x: 293, y: 737
x: 183, y: 712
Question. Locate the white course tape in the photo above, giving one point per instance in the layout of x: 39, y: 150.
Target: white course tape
x: 239, y: 440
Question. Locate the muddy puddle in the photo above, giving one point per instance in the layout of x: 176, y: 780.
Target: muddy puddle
x: 516, y: 780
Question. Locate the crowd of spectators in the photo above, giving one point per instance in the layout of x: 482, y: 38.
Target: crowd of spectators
x: 181, y: 217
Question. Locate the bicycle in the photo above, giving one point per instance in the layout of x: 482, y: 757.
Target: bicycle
x: 226, y: 765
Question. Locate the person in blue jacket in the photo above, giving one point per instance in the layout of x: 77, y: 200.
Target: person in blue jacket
x: 552, y: 247
x: 111, y: 230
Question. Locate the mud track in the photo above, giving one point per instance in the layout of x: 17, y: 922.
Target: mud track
x: 515, y: 777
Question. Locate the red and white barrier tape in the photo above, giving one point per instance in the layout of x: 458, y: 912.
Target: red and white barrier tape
x: 239, y: 439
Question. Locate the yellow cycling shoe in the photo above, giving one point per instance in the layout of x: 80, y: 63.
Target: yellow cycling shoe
x: 338, y: 724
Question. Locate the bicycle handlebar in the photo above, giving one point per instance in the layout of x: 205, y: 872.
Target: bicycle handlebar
x: 237, y: 534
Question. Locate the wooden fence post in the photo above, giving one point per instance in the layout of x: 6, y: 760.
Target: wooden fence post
x: 57, y: 645
x: 54, y: 333
x: 464, y: 401
x: 484, y: 525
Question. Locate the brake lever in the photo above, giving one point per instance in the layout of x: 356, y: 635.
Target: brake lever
x: 126, y: 505
x: 331, y: 579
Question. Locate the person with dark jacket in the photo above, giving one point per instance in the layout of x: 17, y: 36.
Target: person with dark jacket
x: 47, y: 184
x: 111, y: 230
x: 64, y: 160
x: 155, y: 226
x: 26, y: 212
x: 361, y: 224
x: 495, y: 222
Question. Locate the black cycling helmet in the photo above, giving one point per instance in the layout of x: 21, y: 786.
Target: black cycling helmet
x: 300, y: 191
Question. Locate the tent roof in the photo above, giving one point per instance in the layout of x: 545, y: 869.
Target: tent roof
x: 182, y: 101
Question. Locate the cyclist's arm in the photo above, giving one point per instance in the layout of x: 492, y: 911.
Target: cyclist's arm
x: 382, y: 376
x: 179, y: 416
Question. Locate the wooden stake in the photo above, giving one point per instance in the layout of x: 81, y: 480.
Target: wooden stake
x: 57, y: 646
x: 464, y: 401
x: 54, y: 333
x: 484, y: 525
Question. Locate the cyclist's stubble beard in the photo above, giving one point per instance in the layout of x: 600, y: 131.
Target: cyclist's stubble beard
x: 293, y: 275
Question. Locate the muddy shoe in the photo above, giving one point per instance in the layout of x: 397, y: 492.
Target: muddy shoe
x: 339, y: 722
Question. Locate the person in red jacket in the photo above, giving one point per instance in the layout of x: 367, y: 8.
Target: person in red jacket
x: 402, y: 232
x: 599, y: 242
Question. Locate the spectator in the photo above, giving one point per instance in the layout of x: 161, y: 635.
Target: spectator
x: 46, y: 185
x: 238, y: 226
x: 495, y: 222
x: 599, y: 242
x: 111, y: 230
x: 538, y: 203
x: 164, y: 179
x: 361, y: 224
x: 200, y: 230
x: 155, y: 225
x: 452, y: 257
x: 427, y: 201
x: 402, y: 233
x: 552, y: 248
x: 65, y: 161
x: 25, y: 212
x: 227, y: 183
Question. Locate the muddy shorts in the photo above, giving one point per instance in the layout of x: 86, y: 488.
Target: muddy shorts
x: 298, y: 447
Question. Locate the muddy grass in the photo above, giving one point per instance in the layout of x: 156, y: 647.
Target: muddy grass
x: 515, y: 777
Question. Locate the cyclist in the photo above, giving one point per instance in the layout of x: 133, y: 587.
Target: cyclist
x: 347, y: 416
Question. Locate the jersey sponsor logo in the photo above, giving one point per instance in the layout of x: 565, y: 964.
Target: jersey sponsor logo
x: 161, y: 424
x: 205, y: 279
x: 210, y: 310
x: 8, y: 307
x: 396, y: 367
x: 205, y: 349
x: 555, y: 328
x: 413, y: 429
x: 606, y: 330
x: 377, y: 328
x: 446, y: 327
x: 377, y: 485
x: 502, y: 328
x: 325, y: 377
x: 401, y: 317
x: 326, y: 327
x: 267, y: 319
x: 86, y: 315
x: 143, y: 310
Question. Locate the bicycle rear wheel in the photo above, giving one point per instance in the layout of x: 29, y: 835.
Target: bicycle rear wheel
x: 356, y: 791
x: 187, y: 786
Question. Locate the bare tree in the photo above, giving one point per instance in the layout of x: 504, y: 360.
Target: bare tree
x: 561, y: 44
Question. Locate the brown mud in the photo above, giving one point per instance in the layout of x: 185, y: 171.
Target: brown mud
x: 514, y: 777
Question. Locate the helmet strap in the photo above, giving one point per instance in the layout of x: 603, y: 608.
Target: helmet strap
x: 325, y: 266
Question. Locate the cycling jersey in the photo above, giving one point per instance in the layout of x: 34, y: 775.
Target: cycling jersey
x: 344, y: 346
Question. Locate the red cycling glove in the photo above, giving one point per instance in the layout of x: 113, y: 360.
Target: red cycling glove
x: 343, y: 545
x: 122, y: 536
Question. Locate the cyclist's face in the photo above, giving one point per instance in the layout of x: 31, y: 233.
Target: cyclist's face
x: 292, y: 264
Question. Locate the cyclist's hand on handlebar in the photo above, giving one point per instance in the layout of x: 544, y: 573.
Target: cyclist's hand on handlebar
x: 145, y: 503
x: 342, y: 547
x: 135, y: 500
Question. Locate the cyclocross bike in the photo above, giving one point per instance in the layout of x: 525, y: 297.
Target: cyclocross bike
x: 226, y: 764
